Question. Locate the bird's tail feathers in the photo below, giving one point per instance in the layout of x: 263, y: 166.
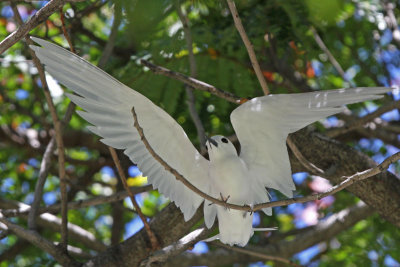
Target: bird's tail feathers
x: 216, y: 237
x: 265, y: 229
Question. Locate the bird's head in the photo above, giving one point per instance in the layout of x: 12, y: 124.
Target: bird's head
x: 220, y: 146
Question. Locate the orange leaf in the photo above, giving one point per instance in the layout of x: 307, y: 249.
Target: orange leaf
x: 243, y: 100
x: 310, y: 71
x: 20, y: 78
x: 293, y: 45
x: 268, y: 75
x: 50, y: 24
x: 21, y: 168
x: 14, y: 124
x: 212, y: 52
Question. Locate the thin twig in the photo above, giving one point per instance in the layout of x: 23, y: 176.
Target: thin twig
x: 199, y: 85
x: 177, y: 175
x: 61, y: 158
x: 4, y: 234
x: 81, y: 203
x: 249, y: 46
x: 40, y: 242
x: 102, y: 62
x: 34, y: 21
x: 59, y: 141
x: 45, y: 167
x: 347, y: 181
x: 45, y: 164
x: 153, y: 239
x: 308, y: 165
x: 65, y: 32
x: 331, y: 58
x: 256, y: 254
x: 178, y: 247
x: 53, y: 223
x: 326, y: 229
x: 359, y: 122
x: 77, y: 252
x: 391, y: 19
x: 108, y: 49
x: 43, y: 172
x: 193, y: 73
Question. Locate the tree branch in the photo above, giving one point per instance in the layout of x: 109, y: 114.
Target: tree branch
x: 34, y: 21
x: 346, y: 181
x: 249, y: 46
x: 64, y: 29
x: 154, y: 243
x: 53, y: 223
x: 359, y: 122
x: 308, y: 165
x: 332, y: 59
x: 80, y: 203
x: 4, y: 234
x: 193, y: 73
x: 261, y: 256
x: 168, y: 226
x: 380, y: 192
x: 324, y: 230
x: 59, y: 141
x: 392, y: 21
x: 178, y: 247
x: 193, y: 82
x: 37, y: 240
x: 109, y: 47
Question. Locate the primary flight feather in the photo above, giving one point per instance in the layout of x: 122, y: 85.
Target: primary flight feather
x: 261, y: 125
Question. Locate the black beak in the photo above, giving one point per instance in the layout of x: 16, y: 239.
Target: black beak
x: 212, y: 141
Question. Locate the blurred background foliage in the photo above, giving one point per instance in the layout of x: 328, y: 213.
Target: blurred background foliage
x: 356, y: 33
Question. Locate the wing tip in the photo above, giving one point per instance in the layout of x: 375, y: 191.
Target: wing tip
x: 267, y: 211
x: 35, y: 48
x: 36, y: 39
x: 40, y: 42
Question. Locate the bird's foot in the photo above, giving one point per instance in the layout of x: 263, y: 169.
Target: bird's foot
x: 224, y: 199
x: 252, y: 211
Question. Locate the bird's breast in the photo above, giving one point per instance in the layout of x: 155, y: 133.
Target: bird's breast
x: 229, y: 176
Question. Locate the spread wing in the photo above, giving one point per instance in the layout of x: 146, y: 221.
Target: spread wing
x: 108, y: 103
x: 263, y: 124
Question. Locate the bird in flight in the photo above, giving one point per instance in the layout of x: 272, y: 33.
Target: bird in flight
x: 261, y: 124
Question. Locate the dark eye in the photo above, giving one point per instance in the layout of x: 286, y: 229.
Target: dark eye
x: 224, y: 140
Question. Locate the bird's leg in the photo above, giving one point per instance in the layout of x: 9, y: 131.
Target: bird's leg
x: 224, y: 199
x: 251, y: 206
x: 251, y: 211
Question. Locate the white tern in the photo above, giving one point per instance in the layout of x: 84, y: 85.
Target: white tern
x: 262, y: 125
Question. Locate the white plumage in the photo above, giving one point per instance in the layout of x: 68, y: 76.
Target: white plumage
x: 261, y: 124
